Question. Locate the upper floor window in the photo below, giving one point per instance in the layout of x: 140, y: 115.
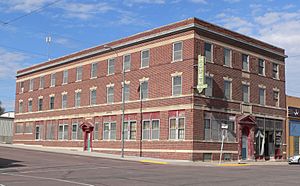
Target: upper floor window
x: 42, y: 82
x: 40, y: 104
x: 245, y: 93
x: 65, y: 76
x: 22, y: 86
x: 31, y: 84
x: 275, y: 71
x: 110, y: 94
x: 52, y: 83
x: 262, y: 96
x: 227, y: 57
x: 176, y: 128
x: 126, y: 62
x: 261, y: 67
x: 276, y: 97
x: 30, y: 105
x: 94, y: 67
x: 93, y: 96
x: 209, y: 89
x: 227, y: 89
x: 208, y: 52
x: 144, y: 90
x: 20, y: 106
x: 176, y: 86
x: 79, y: 73
x: 245, y: 61
x: 127, y: 92
x: 111, y: 66
x: 77, y: 99
x: 145, y: 56
x: 177, y: 51
x: 64, y: 100
x: 51, y: 103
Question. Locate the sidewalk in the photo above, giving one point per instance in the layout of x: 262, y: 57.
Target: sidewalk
x: 80, y: 152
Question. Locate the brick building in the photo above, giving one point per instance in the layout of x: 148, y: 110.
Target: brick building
x: 245, y: 89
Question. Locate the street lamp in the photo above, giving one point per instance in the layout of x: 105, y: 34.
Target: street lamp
x: 123, y: 97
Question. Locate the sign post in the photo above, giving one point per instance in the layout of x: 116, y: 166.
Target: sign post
x: 224, y: 128
x: 201, y: 74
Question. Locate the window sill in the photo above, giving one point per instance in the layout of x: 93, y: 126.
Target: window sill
x: 78, y: 80
x: 178, y: 60
x: 93, y: 77
x: 110, y: 74
x: 41, y: 88
x: 144, y: 67
x: 246, y: 71
x: 228, y: 66
x: 263, y: 75
x: 52, y: 86
x: 275, y: 78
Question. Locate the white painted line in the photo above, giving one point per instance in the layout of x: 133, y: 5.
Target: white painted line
x: 2, y: 185
x: 62, y: 170
x: 45, y: 178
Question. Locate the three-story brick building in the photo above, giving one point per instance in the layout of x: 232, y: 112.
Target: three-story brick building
x: 165, y: 115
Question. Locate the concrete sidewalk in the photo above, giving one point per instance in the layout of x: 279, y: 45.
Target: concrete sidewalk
x: 80, y: 152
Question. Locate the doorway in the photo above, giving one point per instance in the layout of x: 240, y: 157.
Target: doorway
x: 245, y: 133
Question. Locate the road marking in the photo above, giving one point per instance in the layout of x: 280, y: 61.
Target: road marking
x: 155, y: 162
x: 2, y: 185
x: 233, y: 165
x: 45, y: 178
x: 61, y: 170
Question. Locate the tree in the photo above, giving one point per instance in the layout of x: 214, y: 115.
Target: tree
x: 2, y: 109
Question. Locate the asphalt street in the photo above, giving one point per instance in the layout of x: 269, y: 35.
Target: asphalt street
x: 26, y: 167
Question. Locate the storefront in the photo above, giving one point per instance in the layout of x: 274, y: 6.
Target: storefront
x: 294, y: 130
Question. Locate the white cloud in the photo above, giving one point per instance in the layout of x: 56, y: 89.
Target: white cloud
x: 235, y: 23
x: 232, y: 1
x: 10, y: 62
x: 25, y: 6
x: 199, y: 1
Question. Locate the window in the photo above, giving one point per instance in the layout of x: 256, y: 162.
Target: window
x: 213, y: 130
x: 65, y: 77
x: 94, y: 67
x: 177, y: 51
x: 50, y: 130
x: 76, y: 132
x: 177, y: 87
x: 145, y: 56
x: 227, y: 89
x: 207, y: 129
x: 126, y: 92
x: 276, y: 97
x: 52, y: 83
x: 19, y: 128
x: 79, y: 73
x: 28, y: 128
x: 261, y: 67
x: 22, y: 86
x: 245, y: 93
x: 77, y: 99
x: 31, y: 84
x: 207, y: 157
x: 93, y: 97
x: 150, y: 130
x: 126, y: 62
x: 208, y: 52
x: 109, y: 131
x: 96, y: 131
x: 176, y: 128
x: 275, y: 71
x: 63, y: 132
x: 245, y: 61
x: 42, y: 82
x: 51, y: 104
x: 64, y: 101
x: 227, y: 57
x: 40, y: 104
x: 209, y: 89
x: 110, y: 94
x: 144, y: 90
x: 262, y: 93
x: 37, y: 132
x: 130, y: 130
x: 20, y: 106
x: 111, y: 66
x: 30, y: 105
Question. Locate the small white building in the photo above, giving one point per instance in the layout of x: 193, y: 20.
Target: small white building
x: 6, y: 127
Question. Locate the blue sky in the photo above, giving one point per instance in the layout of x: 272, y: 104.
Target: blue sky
x: 75, y: 25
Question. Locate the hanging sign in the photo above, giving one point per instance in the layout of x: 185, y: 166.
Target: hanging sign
x: 201, y: 74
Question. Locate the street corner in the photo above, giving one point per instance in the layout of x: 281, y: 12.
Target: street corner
x: 154, y: 162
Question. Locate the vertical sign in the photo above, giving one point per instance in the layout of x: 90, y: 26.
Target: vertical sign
x: 201, y: 74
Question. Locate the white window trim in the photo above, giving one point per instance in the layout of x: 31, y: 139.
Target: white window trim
x: 264, y: 64
x: 128, y: 130
x: 181, y: 59
x: 141, y: 67
x: 211, y: 53
x: 92, y: 64
x: 211, y: 76
x: 230, y: 57
x: 173, y: 85
x: 123, y: 65
x: 64, y: 83
x: 109, y: 131
x: 140, y: 94
x: 52, y: 83
x: 91, y: 90
x: 62, y: 100
x: 63, y: 136
x: 277, y: 74
x: 39, y: 138
x: 150, y: 135
x: 247, y: 84
x: 177, y: 120
x: 264, y: 88
x: 107, y: 87
x: 75, y: 100
x: 31, y: 85
x: 248, y: 63
x: 77, y: 76
x: 229, y: 80
x: 108, y: 73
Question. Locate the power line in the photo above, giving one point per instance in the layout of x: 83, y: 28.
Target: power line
x: 24, y: 51
x: 28, y: 14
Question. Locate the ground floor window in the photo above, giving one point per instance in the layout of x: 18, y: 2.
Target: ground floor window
x: 28, y: 128
x: 176, y: 128
x: 96, y: 131
x: 109, y: 130
x: 50, y: 128
x: 150, y: 129
x: 207, y: 156
x: 63, y: 132
x: 129, y: 130
x: 76, y: 131
x: 37, y: 132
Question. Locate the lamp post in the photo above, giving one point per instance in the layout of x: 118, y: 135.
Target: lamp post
x: 123, y: 97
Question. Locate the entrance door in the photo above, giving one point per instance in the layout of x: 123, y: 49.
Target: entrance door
x: 244, y: 144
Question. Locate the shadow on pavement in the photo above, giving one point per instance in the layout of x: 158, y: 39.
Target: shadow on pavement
x: 7, y: 163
